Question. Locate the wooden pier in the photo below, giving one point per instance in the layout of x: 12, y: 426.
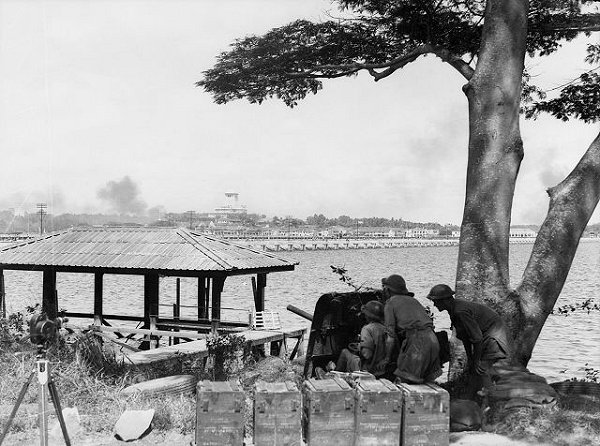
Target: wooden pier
x: 277, y: 245
x: 198, y: 349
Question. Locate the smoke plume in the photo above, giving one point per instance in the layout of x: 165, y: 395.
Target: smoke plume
x: 123, y: 197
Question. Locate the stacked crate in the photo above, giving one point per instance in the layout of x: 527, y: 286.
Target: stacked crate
x: 328, y: 412
x: 426, y: 415
x: 219, y: 415
x: 277, y: 414
x: 378, y: 413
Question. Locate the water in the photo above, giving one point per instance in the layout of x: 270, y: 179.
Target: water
x: 566, y: 344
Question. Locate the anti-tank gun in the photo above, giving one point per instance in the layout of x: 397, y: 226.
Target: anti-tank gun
x: 336, y: 323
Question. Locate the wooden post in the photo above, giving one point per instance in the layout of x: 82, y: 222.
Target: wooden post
x: 177, y: 307
x: 259, y: 296
x: 98, y: 290
x: 150, y: 297
x: 150, y: 302
x: 2, y: 294
x: 49, y: 300
x: 217, y: 289
x: 202, y: 307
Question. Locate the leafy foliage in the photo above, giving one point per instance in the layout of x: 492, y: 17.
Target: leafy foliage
x: 580, y: 99
x: 228, y: 352
x: 344, y: 277
x: 381, y: 37
x: 587, y: 305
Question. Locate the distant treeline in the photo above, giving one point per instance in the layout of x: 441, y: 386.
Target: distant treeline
x: 30, y: 222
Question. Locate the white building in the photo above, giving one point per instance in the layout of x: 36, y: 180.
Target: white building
x: 422, y: 233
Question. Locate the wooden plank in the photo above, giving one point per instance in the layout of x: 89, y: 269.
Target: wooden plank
x: 198, y: 348
x: 146, y: 332
x: 114, y: 341
x: 117, y: 317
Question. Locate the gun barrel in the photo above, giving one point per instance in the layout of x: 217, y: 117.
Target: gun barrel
x: 300, y: 312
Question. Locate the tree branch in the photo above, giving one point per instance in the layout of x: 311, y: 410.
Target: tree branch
x: 572, y: 203
x: 389, y: 67
x: 582, y: 23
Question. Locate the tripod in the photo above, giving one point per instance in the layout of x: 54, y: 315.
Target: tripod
x: 46, y: 386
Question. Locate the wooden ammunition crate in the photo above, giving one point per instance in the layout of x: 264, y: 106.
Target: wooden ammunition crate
x: 425, y: 415
x: 219, y: 413
x: 328, y: 412
x: 277, y: 414
x: 378, y: 412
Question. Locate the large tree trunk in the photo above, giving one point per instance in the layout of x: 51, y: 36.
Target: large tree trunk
x: 495, y: 153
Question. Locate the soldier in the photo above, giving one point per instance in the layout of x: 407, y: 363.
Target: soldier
x: 370, y: 355
x: 480, y: 329
x: 409, y: 331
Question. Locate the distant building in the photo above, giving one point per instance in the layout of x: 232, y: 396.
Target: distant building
x: 455, y: 234
x: 522, y: 233
x: 422, y: 233
x: 232, y: 211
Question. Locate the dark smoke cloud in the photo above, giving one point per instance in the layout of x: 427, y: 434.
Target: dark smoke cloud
x: 123, y: 197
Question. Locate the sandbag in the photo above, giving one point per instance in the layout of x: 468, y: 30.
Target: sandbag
x: 173, y: 385
x: 515, y: 403
x: 570, y: 387
x: 517, y: 375
x: 536, y: 392
x: 465, y: 415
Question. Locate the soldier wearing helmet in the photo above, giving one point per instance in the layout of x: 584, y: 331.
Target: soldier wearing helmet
x: 370, y: 354
x: 410, y: 333
x: 480, y: 329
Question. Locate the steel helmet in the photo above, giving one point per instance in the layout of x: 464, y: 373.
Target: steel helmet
x: 440, y: 291
x: 373, y: 309
x: 397, y: 284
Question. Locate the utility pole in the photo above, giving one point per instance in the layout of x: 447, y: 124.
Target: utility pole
x: 42, y: 212
x: 191, y: 215
x: 357, y: 223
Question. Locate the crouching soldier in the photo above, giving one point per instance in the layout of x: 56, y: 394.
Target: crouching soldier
x: 481, y: 331
x: 410, y: 333
x: 370, y: 354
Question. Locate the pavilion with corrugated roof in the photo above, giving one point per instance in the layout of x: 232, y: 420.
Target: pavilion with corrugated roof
x: 150, y: 252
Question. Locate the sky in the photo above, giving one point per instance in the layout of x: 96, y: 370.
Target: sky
x: 99, y: 113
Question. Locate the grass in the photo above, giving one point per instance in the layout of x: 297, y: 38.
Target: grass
x: 90, y: 378
x: 574, y: 421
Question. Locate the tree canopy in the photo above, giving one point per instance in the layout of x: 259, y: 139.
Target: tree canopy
x: 381, y: 37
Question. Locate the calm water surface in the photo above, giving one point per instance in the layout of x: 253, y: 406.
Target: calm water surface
x: 565, y: 346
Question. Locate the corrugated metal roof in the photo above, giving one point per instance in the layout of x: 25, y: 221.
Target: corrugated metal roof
x: 165, y: 249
